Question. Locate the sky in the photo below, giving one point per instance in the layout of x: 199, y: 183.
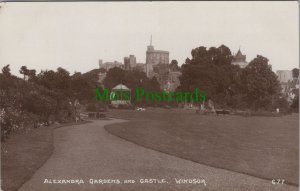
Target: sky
x: 75, y: 35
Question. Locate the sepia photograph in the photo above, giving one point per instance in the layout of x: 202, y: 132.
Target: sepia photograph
x: 149, y: 96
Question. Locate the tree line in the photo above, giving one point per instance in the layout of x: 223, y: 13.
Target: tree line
x: 50, y: 95
x: 254, y: 87
x: 42, y: 98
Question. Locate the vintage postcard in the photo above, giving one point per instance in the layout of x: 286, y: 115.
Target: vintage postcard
x: 147, y: 96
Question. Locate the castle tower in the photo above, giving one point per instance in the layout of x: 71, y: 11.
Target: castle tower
x: 239, y: 59
x: 154, y: 57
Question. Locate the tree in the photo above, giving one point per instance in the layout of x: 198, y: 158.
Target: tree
x: 63, y: 81
x: 102, y: 70
x: 228, y: 85
x: 295, y: 104
x: 63, y: 72
x: 114, y: 77
x: 46, y: 79
x: 83, y: 85
x: 6, y: 70
x: 23, y: 70
x: 260, y: 83
x: 210, y: 71
x: 174, y: 65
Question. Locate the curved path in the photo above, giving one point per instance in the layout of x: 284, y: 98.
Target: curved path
x: 88, y: 151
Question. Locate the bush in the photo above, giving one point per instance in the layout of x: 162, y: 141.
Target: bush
x: 24, y: 104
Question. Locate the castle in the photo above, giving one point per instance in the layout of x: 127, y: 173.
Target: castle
x: 239, y: 59
x: 157, y: 65
x: 154, y: 57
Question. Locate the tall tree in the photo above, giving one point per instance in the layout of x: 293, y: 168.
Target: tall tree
x: 260, y: 83
x: 114, y: 77
x: 6, y: 70
x: 174, y: 65
x: 208, y: 70
x: 23, y: 70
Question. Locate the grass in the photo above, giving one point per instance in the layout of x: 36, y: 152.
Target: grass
x: 25, y: 152
x: 265, y: 147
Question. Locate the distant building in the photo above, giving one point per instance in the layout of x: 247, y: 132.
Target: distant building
x: 129, y: 62
x: 108, y: 65
x: 154, y: 57
x: 140, y: 67
x: 239, y: 59
x: 289, y: 85
x: 100, y: 63
x: 132, y: 61
x: 161, y: 72
x: 157, y: 65
x: 284, y: 75
x: 173, y: 80
x: 167, y: 79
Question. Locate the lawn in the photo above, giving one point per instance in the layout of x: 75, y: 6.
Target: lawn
x: 265, y: 147
x: 24, y: 152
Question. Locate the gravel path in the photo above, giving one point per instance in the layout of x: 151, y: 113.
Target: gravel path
x: 88, y: 151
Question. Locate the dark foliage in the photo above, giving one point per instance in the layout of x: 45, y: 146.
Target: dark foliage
x: 210, y: 70
x: 132, y: 79
x: 41, y: 99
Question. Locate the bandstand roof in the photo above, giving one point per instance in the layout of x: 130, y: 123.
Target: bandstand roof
x: 121, y: 87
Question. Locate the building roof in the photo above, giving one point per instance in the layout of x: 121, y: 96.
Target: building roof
x: 120, y: 87
x: 239, y: 56
x: 239, y: 53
